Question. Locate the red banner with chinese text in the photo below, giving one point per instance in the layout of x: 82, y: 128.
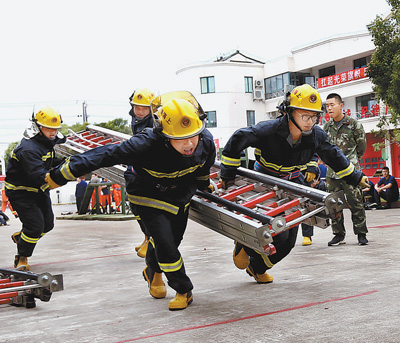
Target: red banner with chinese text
x: 344, y: 77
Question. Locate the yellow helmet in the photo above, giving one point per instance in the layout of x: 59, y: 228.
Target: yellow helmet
x: 48, y: 117
x: 305, y: 97
x: 179, y: 119
x: 142, y: 97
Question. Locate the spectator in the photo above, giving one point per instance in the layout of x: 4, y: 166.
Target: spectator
x: 387, y: 188
x: 80, y: 192
x: 368, y: 194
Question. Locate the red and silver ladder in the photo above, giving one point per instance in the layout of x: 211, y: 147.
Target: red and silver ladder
x: 20, y: 288
x: 255, y: 209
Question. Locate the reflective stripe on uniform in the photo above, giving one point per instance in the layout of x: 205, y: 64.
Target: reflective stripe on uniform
x: 66, y: 172
x: 203, y: 177
x: 266, y: 260
x: 178, y: 173
x: 29, y: 239
x: 346, y: 172
x: 44, y: 186
x: 277, y: 167
x: 149, y: 202
x: 151, y: 241
x: 312, y: 164
x: 47, y: 156
x: 20, y: 188
x: 229, y: 161
x: 171, y: 267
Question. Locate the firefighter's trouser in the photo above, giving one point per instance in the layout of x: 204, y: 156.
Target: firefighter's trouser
x: 284, y: 243
x: 139, y: 220
x: 36, y: 215
x: 166, y: 231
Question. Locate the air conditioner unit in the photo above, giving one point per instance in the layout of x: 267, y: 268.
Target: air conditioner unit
x: 258, y: 94
x: 258, y: 84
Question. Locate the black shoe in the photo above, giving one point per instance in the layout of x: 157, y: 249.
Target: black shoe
x: 336, y: 240
x: 362, y: 239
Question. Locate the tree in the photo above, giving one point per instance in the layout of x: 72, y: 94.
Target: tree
x: 384, y: 70
x: 118, y: 124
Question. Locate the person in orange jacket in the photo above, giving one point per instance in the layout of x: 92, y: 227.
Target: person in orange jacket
x: 116, y: 193
x: 5, y: 202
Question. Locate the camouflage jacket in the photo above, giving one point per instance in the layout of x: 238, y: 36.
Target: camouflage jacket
x: 350, y: 138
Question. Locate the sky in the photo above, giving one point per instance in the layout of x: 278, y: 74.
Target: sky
x: 62, y: 53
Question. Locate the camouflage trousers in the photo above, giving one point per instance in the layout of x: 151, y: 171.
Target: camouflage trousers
x: 355, y: 203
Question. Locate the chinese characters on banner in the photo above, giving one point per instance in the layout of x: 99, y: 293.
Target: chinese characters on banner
x: 344, y: 77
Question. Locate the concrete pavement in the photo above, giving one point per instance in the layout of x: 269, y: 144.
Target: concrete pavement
x: 347, y: 293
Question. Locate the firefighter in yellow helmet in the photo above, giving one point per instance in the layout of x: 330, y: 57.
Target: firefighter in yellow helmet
x: 140, y: 112
x: 25, y: 184
x: 169, y: 163
x: 284, y: 148
x: 141, y: 118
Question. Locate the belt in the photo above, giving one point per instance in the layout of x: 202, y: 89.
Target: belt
x: 285, y: 176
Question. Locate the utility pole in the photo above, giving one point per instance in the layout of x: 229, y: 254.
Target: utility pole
x: 84, y: 115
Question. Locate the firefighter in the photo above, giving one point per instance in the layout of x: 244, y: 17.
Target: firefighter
x: 141, y: 118
x: 170, y: 162
x: 25, y: 182
x: 284, y: 147
x: 140, y: 112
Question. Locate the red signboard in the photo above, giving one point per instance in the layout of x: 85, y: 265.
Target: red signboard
x: 216, y: 142
x: 338, y: 79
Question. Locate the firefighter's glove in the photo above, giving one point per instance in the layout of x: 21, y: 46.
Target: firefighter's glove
x: 227, y: 183
x: 309, y: 176
x: 50, y: 182
x: 364, y: 182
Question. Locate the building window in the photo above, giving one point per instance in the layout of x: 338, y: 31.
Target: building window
x: 211, y: 119
x: 274, y: 86
x: 297, y: 79
x: 248, y: 84
x: 251, y: 117
x: 329, y: 71
x: 360, y: 63
x: 207, y: 84
x: 365, y: 105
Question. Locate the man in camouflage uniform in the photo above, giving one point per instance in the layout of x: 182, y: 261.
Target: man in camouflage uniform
x: 348, y: 135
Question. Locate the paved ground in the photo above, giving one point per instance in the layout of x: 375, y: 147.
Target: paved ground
x: 348, y: 293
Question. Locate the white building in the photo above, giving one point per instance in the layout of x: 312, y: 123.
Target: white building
x: 237, y: 90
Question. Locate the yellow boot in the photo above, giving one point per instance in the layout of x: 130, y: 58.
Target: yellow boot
x: 307, y: 241
x: 21, y: 263
x: 143, y: 250
x: 141, y: 244
x: 240, y: 257
x: 260, y: 278
x: 181, y: 301
x: 157, y: 287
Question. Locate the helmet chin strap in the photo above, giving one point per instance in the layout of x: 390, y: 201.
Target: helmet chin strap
x: 303, y: 133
